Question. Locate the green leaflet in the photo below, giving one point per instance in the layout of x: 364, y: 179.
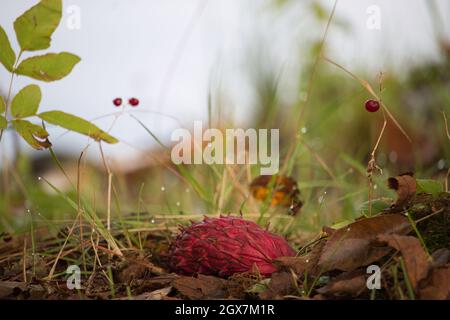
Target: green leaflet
x: 429, y: 186
x: 74, y: 123
x: 2, y: 105
x: 35, y: 27
x: 7, y: 55
x: 26, y: 102
x: 3, y: 123
x: 49, y: 67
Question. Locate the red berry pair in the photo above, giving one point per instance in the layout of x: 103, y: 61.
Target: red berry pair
x: 132, y: 102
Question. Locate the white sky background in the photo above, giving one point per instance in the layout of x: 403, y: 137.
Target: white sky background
x: 128, y: 47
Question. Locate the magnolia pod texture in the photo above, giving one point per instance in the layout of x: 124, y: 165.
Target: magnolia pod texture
x: 224, y: 246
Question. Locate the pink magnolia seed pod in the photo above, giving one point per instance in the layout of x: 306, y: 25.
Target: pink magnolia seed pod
x: 224, y: 246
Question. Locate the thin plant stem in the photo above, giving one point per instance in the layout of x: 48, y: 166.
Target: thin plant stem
x: 105, y: 163
x: 314, y: 69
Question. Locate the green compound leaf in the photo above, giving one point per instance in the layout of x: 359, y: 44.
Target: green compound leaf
x: 3, y: 123
x: 49, y: 67
x: 7, y: 55
x: 35, y: 27
x: 74, y: 123
x: 34, y: 135
x: 26, y: 102
x: 2, y: 105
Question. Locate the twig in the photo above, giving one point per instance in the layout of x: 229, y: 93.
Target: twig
x: 446, y: 125
x: 448, y: 137
x: 428, y: 216
x: 24, y: 267
x: 52, y: 271
x: 8, y: 98
x: 372, y: 165
x: 79, y: 208
x: 367, y: 86
x: 105, y: 163
x: 96, y: 260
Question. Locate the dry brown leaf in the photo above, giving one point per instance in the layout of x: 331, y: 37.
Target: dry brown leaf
x: 437, y: 286
x: 8, y: 288
x: 405, y: 185
x: 416, y: 260
x: 285, y: 191
x: 36, y: 292
x: 297, y: 264
x: 132, y: 272
x: 135, y: 268
x: 440, y: 257
x: 153, y: 295
x: 352, y: 246
x: 202, y: 287
x: 350, y: 283
x: 153, y: 283
x: 281, y: 283
x: 300, y: 265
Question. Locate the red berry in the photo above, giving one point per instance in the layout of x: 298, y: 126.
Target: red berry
x: 133, y: 102
x: 117, y: 102
x: 372, y: 105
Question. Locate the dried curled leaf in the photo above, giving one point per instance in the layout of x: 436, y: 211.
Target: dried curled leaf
x: 8, y: 288
x: 440, y: 257
x: 349, y: 283
x: 299, y: 265
x: 353, y: 246
x: 281, y: 283
x: 203, y: 287
x: 416, y: 259
x: 437, y: 286
x: 405, y: 185
x: 284, y: 191
x: 159, y: 294
x: 34, y: 135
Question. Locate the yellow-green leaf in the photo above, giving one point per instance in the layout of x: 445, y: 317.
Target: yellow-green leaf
x: 74, y: 123
x: 374, y: 206
x: 26, y: 102
x: 429, y: 186
x: 49, y: 67
x: 2, y: 105
x: 34, y: 135
x: 7, y: 55
x: 3, y: 123
x: 35, y: 27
